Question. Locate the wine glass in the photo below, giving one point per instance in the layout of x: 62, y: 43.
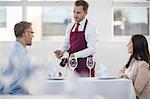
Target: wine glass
x: 90, y: 63
x: 73, y: 63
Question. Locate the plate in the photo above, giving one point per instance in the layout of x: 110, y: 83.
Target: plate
x: 55, y: 78
x: 108, y: 77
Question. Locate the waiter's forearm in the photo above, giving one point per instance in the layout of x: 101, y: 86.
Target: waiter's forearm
x: 84, y: 53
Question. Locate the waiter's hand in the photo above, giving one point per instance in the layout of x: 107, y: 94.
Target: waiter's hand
x: 58, y: 53
x: 120, y: 72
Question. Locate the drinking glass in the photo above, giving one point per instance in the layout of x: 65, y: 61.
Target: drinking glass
x: 73, y: 63
x: 90, y: 63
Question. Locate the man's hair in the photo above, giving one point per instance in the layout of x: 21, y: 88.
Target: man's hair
x: 82, y: 3
x: 20, y: 28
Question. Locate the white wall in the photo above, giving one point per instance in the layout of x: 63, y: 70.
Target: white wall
x: 100, y: 13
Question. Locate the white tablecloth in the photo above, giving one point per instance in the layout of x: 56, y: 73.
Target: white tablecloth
x: 109, y: 89
x: 41, y: 97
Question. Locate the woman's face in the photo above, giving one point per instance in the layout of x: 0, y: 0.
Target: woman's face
x: 130, y: 47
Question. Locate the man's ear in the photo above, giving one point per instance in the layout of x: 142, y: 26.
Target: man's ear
x: 25, y: 34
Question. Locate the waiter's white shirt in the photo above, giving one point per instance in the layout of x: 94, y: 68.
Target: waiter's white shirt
x: 90, y: 36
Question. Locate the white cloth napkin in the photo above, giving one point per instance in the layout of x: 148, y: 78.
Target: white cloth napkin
x: 103, y: 71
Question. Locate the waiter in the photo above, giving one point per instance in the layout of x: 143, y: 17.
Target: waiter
x: 80, y: 39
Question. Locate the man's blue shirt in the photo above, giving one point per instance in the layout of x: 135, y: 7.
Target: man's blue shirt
x: 18, y: 69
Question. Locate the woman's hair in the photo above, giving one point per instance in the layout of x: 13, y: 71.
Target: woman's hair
x: 140, y: 49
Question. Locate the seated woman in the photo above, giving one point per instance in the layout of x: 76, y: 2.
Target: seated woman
x: 138, y: 67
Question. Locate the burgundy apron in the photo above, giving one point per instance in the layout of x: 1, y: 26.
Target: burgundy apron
x: 78, y: 43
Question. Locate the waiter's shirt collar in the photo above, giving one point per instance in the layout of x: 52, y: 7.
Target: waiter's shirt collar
x: 83, y: 21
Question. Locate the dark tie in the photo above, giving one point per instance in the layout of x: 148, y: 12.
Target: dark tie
x: 77, y: 26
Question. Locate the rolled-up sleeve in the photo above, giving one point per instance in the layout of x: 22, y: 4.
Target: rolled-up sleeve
x: 66, y: 43
x: 92, y: 41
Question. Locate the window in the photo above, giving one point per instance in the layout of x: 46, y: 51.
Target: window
x: 129, y: 21
x: 52, y: 18
x: 2, y: 17
x: 131, y: 17
x: 46, y: 16
x: 7, y: 21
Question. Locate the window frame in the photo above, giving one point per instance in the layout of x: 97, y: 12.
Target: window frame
x: 115, y: 4
x: 24, y: 4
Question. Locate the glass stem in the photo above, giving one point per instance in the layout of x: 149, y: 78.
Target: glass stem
x: 90, y: 72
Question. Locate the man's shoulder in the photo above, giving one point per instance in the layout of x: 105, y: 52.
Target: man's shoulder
x: 17, y: 50
x: 14, y: 52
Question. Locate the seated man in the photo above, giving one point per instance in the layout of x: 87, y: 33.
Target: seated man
x: 1, y: 88
x: 19, y: 65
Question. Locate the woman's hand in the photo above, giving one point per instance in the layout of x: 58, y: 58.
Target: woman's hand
x: 120, y: 73
x: 124, y: 77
